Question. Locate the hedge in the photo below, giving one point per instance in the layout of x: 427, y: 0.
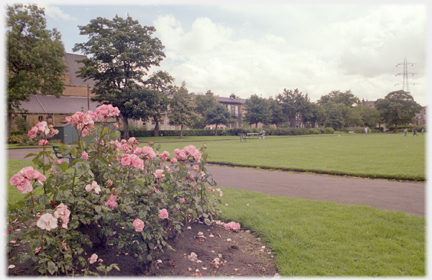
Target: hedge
x: 234, y: 131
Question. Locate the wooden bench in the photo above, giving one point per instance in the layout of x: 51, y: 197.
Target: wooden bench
x: 59, y: 154
x: 248, y: 136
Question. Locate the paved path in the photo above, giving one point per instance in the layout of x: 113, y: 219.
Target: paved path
x: 382, y: 194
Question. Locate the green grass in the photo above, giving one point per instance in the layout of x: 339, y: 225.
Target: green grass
x: 316, y: 238
x: 166, y: 139
x: 17, y: 146
x: 376, y: 155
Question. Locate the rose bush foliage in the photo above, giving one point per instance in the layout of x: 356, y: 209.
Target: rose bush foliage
x: 132, y: 197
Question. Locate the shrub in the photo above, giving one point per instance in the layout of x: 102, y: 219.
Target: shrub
x: 329, y: 130
x: 134, y: 198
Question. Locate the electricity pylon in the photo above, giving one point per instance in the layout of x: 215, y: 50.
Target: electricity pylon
x: 405, y: 85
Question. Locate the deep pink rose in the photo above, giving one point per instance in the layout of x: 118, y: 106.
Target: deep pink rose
x: 232, y: 226
x: 84, y: 155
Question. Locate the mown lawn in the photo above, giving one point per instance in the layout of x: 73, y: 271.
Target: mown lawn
x: 375, y: 155
x: 316, y: 238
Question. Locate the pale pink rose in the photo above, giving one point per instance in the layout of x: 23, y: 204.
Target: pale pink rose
x: 156, y: 190
x: 137, y: 162
x: 164, y: 155
x: 167, y: 169
x: 232, y: 226
x: 148, y: 152
x: 94, y: 186
x: 132, y: 140
x: 63, y: 213
x: 138, y: 225
x: 111, y: 203
x: 24, y: 187
x: 47, y: 222
x: 116, y: 125
x: 84, y: 155
x: 124, y: 147
x: 182, y: 155
x: 163, y: 214
x: 16, y: 179
x: 109, y: 183
x: 93, y: 259
x: 57, y: 162
x: 159, y: 174
x: 64, y: 245
x: 197, y: 157
x: 173, y: 160
x: 195, y: 168
x: 125, y: 161
x: 181, y: 200
x: 88, y: 188
x: 220, y: 192
x: 43, y: 142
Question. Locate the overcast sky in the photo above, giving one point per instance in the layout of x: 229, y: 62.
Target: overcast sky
x: 246, y: 49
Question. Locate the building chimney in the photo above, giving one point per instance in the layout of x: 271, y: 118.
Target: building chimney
x: 232, y: 96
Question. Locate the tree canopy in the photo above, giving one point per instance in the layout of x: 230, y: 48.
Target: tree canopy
x: 121, y: 51
x: 217, y: 114
x: 182, y: 109
x: 398, y: 107
x: 257, y: 110
x: 34, y: 56
x: 203, y: 103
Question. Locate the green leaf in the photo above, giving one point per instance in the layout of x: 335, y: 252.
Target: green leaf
x: 65, y: 149
x: 82, y: 167
x: 98, y: 209
x: 194, y: 214
x: 207, y: 221
x: 24, y: 258
x: 52, y: 267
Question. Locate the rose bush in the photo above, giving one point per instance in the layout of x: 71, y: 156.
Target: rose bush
x: 132, y: 197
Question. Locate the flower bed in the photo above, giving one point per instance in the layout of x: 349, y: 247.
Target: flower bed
x: 130, y: 197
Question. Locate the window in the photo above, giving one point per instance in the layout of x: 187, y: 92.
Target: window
x: 40, y: 118
x: 236, y: 110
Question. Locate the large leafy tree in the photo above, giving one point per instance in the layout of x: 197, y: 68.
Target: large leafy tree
x: 370, y: 116
x: 277, y: 116
x: 121, y: 52
x: 347, y: 103
x: 347, y: 98
x: 218, y: 114
x: 182, y: 109
x: 203, y: 103
x: 295, y: 105
x: 34, y: 56
x: 257, y: 110
x: 158, y: 86
x: 398, y: 107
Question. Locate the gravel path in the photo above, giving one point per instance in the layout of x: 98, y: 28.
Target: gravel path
x: 408, y: 197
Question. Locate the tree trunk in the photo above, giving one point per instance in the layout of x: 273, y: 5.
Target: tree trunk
x: 156, y: 129
x: 216, y: 130
x: 125, y: 128
x: 9, y: 125
x: 181, y: 131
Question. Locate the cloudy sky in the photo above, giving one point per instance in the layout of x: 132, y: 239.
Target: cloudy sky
x: 245, y: 49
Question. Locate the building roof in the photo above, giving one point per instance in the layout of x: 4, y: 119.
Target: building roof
x: 71, y: 60
x: 369, y: 103
x: 230, y: 100
x: 48, y: 104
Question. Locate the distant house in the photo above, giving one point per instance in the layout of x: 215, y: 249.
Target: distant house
x: 234, y: 105
x: 420, y: 118
x: 76, y: 97
x: 213, y: 126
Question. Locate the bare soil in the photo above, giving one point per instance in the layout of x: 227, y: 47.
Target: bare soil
x: 243, y: 254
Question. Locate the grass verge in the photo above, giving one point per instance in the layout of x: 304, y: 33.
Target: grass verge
x: 316, y: 238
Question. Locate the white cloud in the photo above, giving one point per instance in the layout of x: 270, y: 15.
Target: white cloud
x: 56, y: 13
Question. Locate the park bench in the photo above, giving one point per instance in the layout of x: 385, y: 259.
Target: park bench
x: 59, y: 154
x: 249, y: 136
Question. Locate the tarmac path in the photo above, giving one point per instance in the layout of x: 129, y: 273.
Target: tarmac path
x: 388, y: 195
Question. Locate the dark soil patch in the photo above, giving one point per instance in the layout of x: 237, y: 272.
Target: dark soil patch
x: 244, y: 254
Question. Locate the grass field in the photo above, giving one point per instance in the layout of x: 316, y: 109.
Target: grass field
x: 316, y: 238
x: 376, y: 155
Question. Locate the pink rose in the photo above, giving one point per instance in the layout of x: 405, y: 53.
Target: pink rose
x: 159, y: 174
x: 111, y: 203
x: 94, y: 186
x: 195, y: 168
x: 24, y: 187
x: 109, y: 183
x: 132, y: 140
x: 125, y: 161
x: 93, y: 259
x: 181, y: 200
x: 43, y: 142
x: 138, y: 225
x: 173, y: 160
x: 84, y: 155
x: 63, y: 213
x: 137, y: 162
x: 232, y: 226
x: 47, y: 222
x: 163, y: 214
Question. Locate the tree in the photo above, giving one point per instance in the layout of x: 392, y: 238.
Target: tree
x: 158, y: 85
x: 334, y: 117
x: 34, y: 56
x: 346, y: 98
x: 218, y: 114
x: 295, y: 105
x: 182, y: 109
x: 121, y: 52
x: 257, y: 110
x: 398, y: 107
x: 203, y: 103
x: 277, y: 116
x: 370, y: 116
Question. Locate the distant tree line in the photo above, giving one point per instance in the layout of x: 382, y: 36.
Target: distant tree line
x: 120, y: 53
